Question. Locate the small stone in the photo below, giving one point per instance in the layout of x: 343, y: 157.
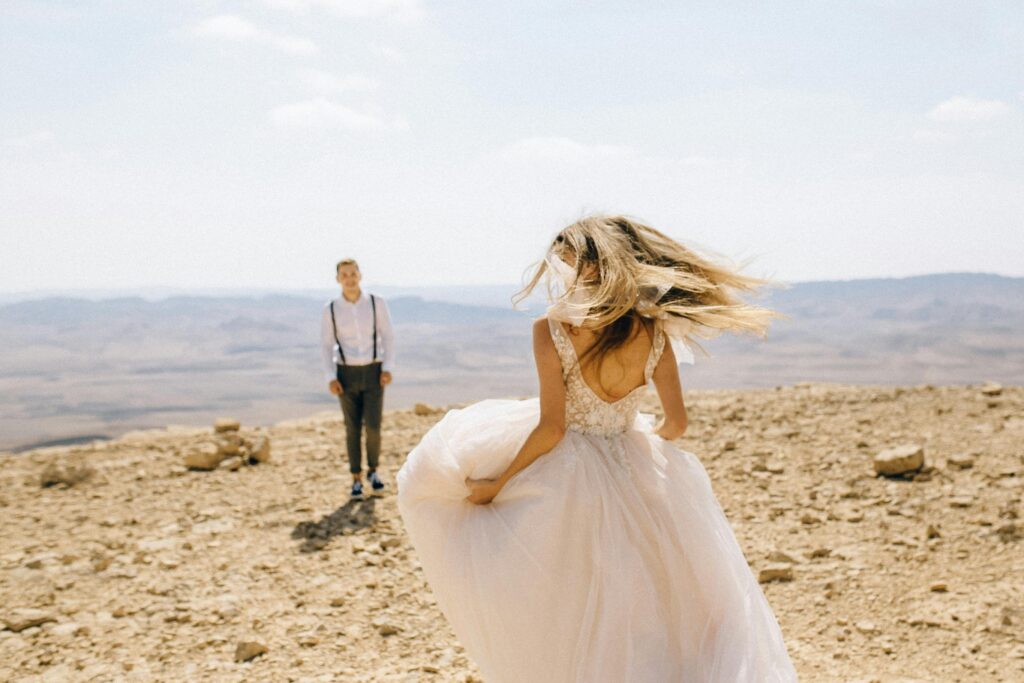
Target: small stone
x: 808, y: 519
x: 233, y: 463
x: 229, y: 443
x: 775, y: 572
x: 424, y: 409
x: 729, y: 446
x: 69, y: 475
x: 775, y: 467
x: 23, y: 618
x: 991, y: 389
x: 781, y: 557
x: 259, y: 451
x: 900, y: 460
x: 205, y: 456
x: 226, y: 424
x: 961, y: 461
x: 248, y: 650
x: 867, y: 627
x: 818, y: 553
x: 938, y: 587
x: 338, y: 601
x: 932, y: 532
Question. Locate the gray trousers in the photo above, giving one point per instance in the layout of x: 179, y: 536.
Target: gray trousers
x: 362, y: 404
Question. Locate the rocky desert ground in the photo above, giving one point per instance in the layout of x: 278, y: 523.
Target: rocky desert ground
x: 119, y: 563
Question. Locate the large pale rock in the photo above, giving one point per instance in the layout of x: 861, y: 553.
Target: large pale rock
x: 206, y: 456
x: 900, y: 460
x: 226, y: 424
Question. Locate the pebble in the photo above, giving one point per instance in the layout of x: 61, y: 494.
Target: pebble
x: 248, y: 650
x: 899, y: 460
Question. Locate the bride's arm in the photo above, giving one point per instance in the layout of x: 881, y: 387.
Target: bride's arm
x: 551, y: 427
x: 670, y: 391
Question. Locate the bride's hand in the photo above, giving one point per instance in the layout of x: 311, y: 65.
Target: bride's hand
x: 482, y: 491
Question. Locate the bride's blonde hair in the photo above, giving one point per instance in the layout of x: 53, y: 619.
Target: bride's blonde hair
x: 639, y: 272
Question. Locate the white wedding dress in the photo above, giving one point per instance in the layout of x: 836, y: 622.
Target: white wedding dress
x: 607, y: 559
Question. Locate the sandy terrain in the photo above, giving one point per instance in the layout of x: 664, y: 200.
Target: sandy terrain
x: 149, y: 571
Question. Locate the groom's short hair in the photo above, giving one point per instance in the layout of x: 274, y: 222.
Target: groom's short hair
x: 346, y: 262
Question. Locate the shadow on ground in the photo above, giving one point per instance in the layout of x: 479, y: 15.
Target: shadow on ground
x: 350, y: 517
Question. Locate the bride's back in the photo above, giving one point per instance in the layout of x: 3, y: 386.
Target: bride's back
x: 618, y: 372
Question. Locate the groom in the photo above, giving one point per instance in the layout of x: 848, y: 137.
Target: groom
x: 358, y: 347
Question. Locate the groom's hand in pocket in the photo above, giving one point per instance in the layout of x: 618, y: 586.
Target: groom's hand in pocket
x: 385, y: 379
x: 335, y: 388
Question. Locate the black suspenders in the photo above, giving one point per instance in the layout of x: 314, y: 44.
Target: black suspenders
x: 334, y: 328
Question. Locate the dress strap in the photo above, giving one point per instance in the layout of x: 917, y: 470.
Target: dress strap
x: 657, y: 348
x: 563, y: 345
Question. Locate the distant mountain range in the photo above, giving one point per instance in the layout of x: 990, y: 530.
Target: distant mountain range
x: 78, y: 368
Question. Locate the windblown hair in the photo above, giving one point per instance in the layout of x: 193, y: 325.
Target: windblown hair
x: 642, y: 273
x: 346, y: 262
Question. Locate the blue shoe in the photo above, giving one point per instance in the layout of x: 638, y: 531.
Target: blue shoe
x: 376, y: 483
x: 357, y: 490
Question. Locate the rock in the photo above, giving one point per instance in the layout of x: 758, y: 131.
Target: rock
x: 20, y: 619
x: 961, y: 461
x: 866, y: 627
x: 991, y: 389
x: 781, y: 557
x: 69, y: 629
x: 425, y: 409
x: 775, y: 572
x: 205, y: 456
x: 69, y: 475
x: 900, y: 460
x: 932, y: 532
x: 775, y: 467
x: 938, y: 587
x: 248, y: 650
x: 226, y: 424
x: 233, y: 463
x: 259, y: 450
x: 229, y: 443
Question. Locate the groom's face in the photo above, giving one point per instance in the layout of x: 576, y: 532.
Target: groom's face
x: 349, y: 277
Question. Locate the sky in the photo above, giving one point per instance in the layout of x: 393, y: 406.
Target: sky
x: 253, y: 143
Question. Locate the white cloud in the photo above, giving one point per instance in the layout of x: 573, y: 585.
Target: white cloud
x: 321, y: 113
x: 389, y: 53
x: 928, y: 136
x: 236, y: 29
x: 961, y: 109
x: 327, y: 83
x: 34, y: 139
x: 564, y: 150
x: 401, y: 10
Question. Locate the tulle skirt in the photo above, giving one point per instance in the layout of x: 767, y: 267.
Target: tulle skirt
x: 607, y: 559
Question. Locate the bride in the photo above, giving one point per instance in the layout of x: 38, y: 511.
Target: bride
x: 567, y: 538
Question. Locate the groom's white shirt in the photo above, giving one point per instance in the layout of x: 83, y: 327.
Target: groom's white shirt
x: 354, y: 325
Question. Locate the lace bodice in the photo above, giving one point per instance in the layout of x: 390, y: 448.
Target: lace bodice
x: 585, y: 411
